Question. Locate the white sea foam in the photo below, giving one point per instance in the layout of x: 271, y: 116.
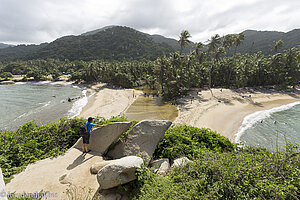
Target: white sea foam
x: 47, y: 83
x: 80, y: 103
x: 20, y: 83
x: 251, y: 119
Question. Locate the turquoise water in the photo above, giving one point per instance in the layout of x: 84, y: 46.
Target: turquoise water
x: 46, y: 102
x: 271, y: 128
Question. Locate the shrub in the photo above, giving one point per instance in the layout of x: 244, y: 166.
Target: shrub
x: 241, y: 174
x: 188, y: 141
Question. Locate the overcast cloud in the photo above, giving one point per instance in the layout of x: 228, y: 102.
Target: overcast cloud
x: 37, y: 21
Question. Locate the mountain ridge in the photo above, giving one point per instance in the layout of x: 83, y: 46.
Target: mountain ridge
x: 121, y: 42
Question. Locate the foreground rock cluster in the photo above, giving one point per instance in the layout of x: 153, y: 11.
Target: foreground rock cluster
x: 125, y: 155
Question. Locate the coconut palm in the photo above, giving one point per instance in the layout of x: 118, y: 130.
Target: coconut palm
x: 198, y: 46
x: 213, y: 44
x: 238, y: 40
x: 228, y: 41
x: 278, y: 45
x: 184, y: 39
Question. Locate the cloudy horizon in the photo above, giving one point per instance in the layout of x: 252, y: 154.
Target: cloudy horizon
x: 35, y: 22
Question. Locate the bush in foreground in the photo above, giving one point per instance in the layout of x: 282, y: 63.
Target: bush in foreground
x: 219, y: 170
x: 189, y: 141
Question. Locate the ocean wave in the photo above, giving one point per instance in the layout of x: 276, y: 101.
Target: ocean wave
x: 80, y: 103
x: 253, y: 118
x: 47, y: 83
x: 20, y: 83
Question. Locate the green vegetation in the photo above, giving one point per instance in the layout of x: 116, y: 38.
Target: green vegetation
x: 219, y: 170
x: 114, y: 43
x: 187, y: 141
x: 263, y: 41
x: 174, y: 75
x: 32, y: 142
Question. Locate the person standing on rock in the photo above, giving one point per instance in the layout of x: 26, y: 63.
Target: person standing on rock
x: 86, y: 137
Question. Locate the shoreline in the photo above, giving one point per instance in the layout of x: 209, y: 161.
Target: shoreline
x: 225, y: 111
x: 108, y: 101
x: 222, y: 111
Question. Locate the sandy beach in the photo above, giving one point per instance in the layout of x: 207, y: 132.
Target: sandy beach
x: 221, y: 110
x: 224, y: 110
x: 108, y: 101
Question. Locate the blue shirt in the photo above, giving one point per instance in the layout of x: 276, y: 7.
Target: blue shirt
x: 89, y: 127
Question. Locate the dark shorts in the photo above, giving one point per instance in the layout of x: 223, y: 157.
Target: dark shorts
x: 86, y: 139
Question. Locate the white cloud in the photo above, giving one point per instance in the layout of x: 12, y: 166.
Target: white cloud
x: 36, y: 21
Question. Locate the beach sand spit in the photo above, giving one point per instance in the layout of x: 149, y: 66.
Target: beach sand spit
x: 223, y: 110
x: 109, y: 101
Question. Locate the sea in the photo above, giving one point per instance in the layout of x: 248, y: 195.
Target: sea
x: 272, y: 129
x: 42, y: 102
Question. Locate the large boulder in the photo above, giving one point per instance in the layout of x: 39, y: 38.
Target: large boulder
x: 2, y: 187
x: 119, y: 172
x: 101, y: 138
x: 99, y: 165
x: 142, y: 139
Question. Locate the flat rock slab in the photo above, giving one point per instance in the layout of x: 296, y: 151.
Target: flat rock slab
x: 119, y: 172
x: 47, y: 175
x: 142, y: 139
x: 101, y: 138
x: 2, y: 187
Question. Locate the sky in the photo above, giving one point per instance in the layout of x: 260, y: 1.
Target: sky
x: 38, y: 21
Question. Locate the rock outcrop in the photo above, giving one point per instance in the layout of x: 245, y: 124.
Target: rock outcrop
x: 2, y: 187
x: 119, y: 172
x: 142, y: 139
x: 95, y: 168
x: 180, y: 162
x: 162, y: 166
x: 101, y: 138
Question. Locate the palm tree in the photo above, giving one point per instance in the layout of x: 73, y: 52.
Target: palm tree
x: 184, y: 39
x: 228, y: 41
x: 198, y: 46
x: 219, y: 52
x: 238, y: 39
x: 199, y: 54
x: 278, y: 45
x: 214, y: 42
x: 212, y: 47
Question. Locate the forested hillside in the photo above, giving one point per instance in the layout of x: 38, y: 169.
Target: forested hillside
x: 111, y: 43
x: 124, y: 43
x: 2, y: 45
x: 256, y: 41
x: 18, y: 52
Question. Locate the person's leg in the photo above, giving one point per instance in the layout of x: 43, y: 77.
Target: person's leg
x: 84, y: 143
x: 87, y: 143
x: 83, y: 147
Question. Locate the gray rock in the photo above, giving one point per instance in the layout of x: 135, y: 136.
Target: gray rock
x: 101, y: 138
x: 180, y: 162
x: 142, y: 139
x: 119, y: 172
x: 162, y: 166
x: 2, y: 187
x: 97, y: 166
x: 111, y: 197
